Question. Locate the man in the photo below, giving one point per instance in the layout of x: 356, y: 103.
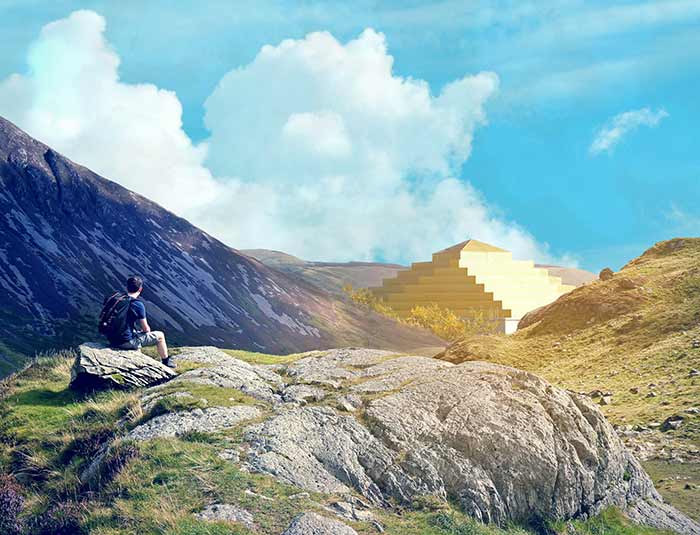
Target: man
x: 137, y: 333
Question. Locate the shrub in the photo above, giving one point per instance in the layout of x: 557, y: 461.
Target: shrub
x: 63, y: 518
x: 441, y: 321
x: 11, y: 505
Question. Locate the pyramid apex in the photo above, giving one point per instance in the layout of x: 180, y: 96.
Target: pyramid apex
x: 473, y: 246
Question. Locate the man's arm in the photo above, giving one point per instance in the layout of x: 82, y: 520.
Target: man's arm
x: 143, y: 323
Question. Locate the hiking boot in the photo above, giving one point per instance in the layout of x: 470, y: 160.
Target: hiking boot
x: 170, y: 363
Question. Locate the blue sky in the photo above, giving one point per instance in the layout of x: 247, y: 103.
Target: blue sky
x: 565, y: 71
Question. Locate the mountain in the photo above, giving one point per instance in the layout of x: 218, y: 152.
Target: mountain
x: 68, y: 237
x: 332, y: 276
x: 633, y: 343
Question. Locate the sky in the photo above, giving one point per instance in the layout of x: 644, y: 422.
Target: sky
x: 563, y: 130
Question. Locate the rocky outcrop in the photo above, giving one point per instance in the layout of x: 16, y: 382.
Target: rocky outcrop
x: 315, y: 524
x: 502, y: 443
x: 200, y: 420
x: 97, y: 366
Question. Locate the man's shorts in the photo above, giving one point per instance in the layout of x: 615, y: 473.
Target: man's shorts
x: 142, y: 340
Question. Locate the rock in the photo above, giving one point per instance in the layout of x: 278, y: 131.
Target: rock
x: 502, y: 443
x: 692, y: 410
x: 349, y: 402
x: 225, y: 512
x: 694, y: 373
x: 353, y: 510
x: 606, y: 274
x: 202, y: 420
x: 97, y: 366
x: 634, y: 390
x: 595, y: 393
x: 651, y: 394
x: 230, y: 455
x: 315, y: 524
x: 695, y: 344
x: 302, y: 394
x: 672, y: 422
x: 228, y: 372
x: 605, y: 400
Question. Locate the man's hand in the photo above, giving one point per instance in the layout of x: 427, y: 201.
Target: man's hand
x: 145, y: 328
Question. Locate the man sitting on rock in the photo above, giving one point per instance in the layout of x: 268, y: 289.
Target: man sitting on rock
x: 134, y: 332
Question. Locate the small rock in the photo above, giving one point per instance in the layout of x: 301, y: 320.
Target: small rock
x: 692, y: 410
x: 349, y: 402
x: 651, y: 394
x: 634, y: 390
x: 605, y: 400
x: 695, y: 344
x: 303, y: 394
x: 256, y: 495
x: 315, y: 524
x: 230, y: 455
x: 606, y: 274
x: 300, y: 496
x: 218, y: 512
x: 595, y: 393
x: 672, y: 422
x: 694, y: 373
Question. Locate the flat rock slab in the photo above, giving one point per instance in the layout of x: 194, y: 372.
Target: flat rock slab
x: 227, y: 372
x: 315, y: 524
x: 98, y: 366
x: 201, y: 420
x: 225, y: 512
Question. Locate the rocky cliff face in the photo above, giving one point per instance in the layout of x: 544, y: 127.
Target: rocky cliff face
x: 68, y: 237
x: 385, y: 429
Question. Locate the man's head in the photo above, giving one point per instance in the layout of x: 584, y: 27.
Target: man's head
x: 134, y: 284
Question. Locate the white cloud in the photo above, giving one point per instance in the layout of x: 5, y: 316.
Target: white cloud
x: 316, y: 147
x: 612, y: 132
x: 73, y: 101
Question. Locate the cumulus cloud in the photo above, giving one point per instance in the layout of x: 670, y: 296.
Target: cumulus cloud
x: 316, y: 148
x: 612, y: 132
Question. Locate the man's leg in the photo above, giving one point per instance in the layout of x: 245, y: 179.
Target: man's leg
x: 156, y: 338
x: 162, y: 346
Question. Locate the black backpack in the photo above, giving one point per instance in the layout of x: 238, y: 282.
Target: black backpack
x: 112, y: 322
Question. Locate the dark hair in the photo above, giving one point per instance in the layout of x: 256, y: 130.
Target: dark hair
x: 134, y: 284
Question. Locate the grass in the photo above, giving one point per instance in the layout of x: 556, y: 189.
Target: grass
x: 609, y: 522
x: 264, y: 358
x: 48, y: 435
x: 678, y: 483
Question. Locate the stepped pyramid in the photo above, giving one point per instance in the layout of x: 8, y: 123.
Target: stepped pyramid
x: 474, y: 279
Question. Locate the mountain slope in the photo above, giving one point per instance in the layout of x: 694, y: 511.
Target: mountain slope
x: 68, y: 237
x: 635, y: 337
x: 331, y: 276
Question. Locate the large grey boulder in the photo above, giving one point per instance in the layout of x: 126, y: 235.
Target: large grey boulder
x: 98, y: 366
x: 503, y: 443
x: 315, y: 524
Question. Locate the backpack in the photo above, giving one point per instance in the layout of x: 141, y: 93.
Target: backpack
x: 112, y: 323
